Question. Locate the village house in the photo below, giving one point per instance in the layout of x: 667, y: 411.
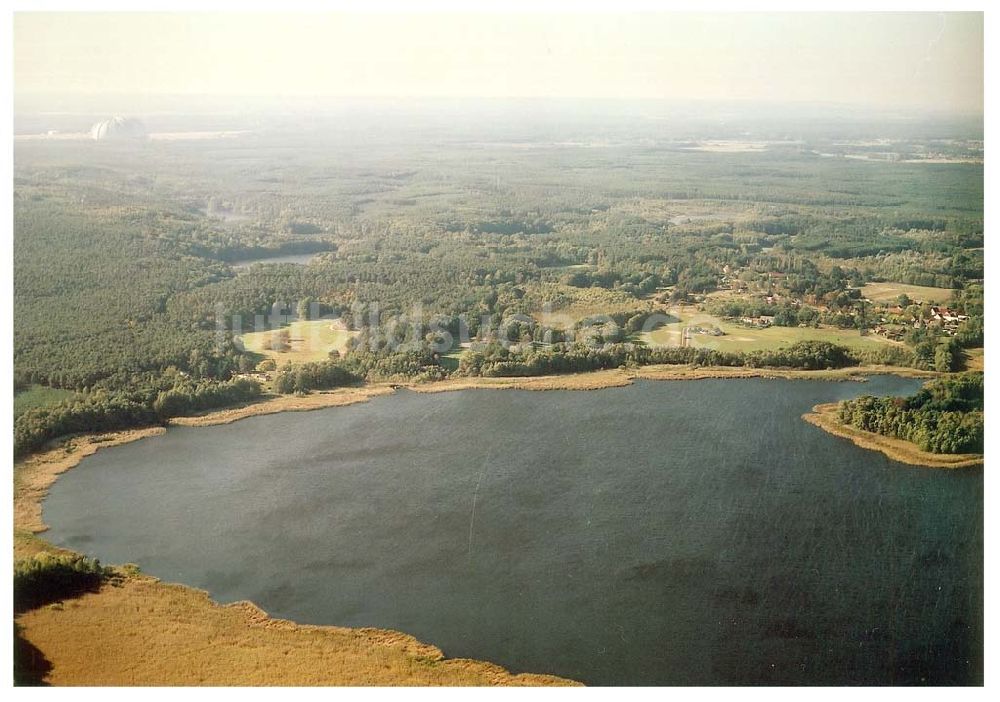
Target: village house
x: 945, y: 314
x: 255, y: 375
x: 892, y: 333
x: 760, y: 322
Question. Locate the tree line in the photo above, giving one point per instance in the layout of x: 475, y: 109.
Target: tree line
x: 101, y: 410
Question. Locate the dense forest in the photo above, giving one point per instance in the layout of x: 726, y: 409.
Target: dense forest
x: 946, y: 416
x: 128, y: 298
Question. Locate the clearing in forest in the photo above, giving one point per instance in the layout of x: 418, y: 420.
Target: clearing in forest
x: 694, y: 328
x: 888, y: 292
x: 303, y: 341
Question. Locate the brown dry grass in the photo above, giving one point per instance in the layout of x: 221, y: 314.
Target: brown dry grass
x: 825, y: 417
x: 144, y: 632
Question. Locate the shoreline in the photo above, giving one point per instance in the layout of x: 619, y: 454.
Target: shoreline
x: 588, y: 380
x: 135, y: 598
x: 273, y: 404
x: 35, y: 474
x: 824, y: 416
x: 244, y: 645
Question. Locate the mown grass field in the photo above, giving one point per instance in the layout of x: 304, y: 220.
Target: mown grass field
x: 39, y: 396
x: 888, y: 292
x: 740, y: 338
x: 309, y: 341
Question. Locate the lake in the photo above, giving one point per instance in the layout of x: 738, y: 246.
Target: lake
x: 297, y: 259
x: 665, y: 533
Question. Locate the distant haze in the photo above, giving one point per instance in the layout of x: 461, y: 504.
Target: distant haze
x: 920, y: 61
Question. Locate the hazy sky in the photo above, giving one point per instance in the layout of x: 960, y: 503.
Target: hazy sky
x: 927, y: 60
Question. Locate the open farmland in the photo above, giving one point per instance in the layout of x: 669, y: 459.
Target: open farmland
x: 737, y: 337
x: 888, y: 292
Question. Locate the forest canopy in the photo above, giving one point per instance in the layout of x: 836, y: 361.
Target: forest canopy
x: 135, y: 272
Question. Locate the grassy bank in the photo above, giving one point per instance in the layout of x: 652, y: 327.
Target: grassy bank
x: 825, y: 417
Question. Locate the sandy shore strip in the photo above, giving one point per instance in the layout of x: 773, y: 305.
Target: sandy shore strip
x: 272, y: 404
x: 824, y: 416
x: 619, y: 377
x: 592, y: 380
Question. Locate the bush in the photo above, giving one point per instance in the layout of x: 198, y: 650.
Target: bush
x: 48, y: 577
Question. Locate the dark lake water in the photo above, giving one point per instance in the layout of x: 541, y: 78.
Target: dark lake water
x: 297, y: 259
x: 675, y: 533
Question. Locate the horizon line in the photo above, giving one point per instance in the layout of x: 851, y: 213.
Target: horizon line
x: 611, y: 99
